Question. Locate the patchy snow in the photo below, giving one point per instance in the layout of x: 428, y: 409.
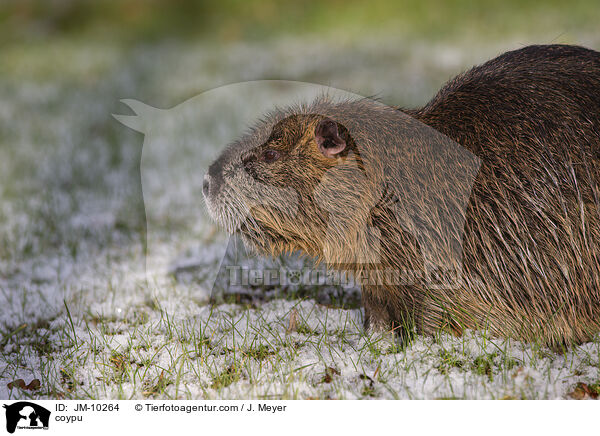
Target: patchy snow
x: 88, y: 314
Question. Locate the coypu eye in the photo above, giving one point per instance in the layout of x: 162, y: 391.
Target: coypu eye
x: 270, y: 156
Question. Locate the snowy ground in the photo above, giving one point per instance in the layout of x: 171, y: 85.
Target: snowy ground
x: 77, y: 311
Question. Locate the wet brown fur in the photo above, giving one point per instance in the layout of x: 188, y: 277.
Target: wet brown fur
x: 532, y: 233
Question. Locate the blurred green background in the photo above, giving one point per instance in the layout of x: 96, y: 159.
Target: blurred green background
x: 232, y: 20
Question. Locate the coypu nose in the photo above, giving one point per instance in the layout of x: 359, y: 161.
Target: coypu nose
x: 214, y: 177
x: 206, y: 185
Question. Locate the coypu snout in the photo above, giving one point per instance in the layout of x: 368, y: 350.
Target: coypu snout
x: 205, y: 185
x: 214, y: 177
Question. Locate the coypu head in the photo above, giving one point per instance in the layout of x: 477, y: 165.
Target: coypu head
x: 328, y: 178
x: 269, y: 185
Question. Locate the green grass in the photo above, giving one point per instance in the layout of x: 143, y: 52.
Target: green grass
x: 252, y: 355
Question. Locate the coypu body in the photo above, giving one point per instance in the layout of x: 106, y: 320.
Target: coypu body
x: 333, y: 180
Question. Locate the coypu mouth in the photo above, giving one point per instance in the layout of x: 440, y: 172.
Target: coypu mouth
x: 234, y: 215
x: 225, y: 211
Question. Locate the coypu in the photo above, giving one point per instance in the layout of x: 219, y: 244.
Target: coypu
x: 528, y: 266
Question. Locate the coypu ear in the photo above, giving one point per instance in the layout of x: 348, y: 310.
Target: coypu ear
x: 328, y: 138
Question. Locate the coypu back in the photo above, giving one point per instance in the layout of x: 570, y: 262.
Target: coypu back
x: 532, y: 237
x: 500, y: 105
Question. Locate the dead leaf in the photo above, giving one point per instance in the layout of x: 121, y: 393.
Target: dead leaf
x: 34, y: 385
x: 582, y: 391
x: 366, y: 377
x: 58, y: 395
x: 18, y: 383
x: 376, y: 372
x: 518, y: 372
x: 329, y: 373
x: 293, y: 323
